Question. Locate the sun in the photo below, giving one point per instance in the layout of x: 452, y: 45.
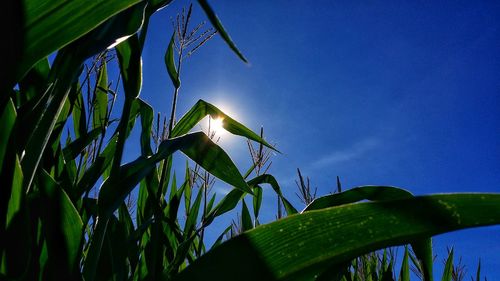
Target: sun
x: 215, y: 125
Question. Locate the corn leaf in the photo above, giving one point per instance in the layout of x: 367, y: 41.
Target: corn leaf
x: 7, y: 119
x: 63, y: 230
x: 74, y: 148
x: 51, y: 25
x: 129, y: 56
x: 269, y: 179
x: 192, y: 216
x: 404, y: 274
x: 373, y: 193
x: 101, y: 97
x: 301, y: 245
x: 170, y: 63
x: 196, y: 146
x: 202, y: 109
x: 214, y: 20
x: 448, y: 268
x: 257, y: 200
x: 246, y: 219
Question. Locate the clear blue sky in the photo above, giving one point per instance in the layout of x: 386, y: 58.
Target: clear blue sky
x: 403, y: 93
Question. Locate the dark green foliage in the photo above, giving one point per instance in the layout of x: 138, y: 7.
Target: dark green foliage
x: 66, y: 211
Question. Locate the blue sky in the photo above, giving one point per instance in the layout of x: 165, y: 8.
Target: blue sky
x: 402, y: 93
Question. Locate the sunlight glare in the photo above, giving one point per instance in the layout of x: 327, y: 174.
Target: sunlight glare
x: 215, y: 126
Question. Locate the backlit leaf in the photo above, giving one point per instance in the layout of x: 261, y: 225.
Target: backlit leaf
x: 218, y: 26
x: 170, y: 63
x: 288, y: 248
x: 202, y: 109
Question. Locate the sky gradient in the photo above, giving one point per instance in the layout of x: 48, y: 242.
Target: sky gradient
x: 384, y: 92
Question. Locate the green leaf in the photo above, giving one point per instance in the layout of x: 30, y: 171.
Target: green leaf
x: 196, y: 146
x: 218, y: 241
x: 246, y: 220
x: 448, y: 268
x: 214, y: 20
x: 227, y: 203
x: 230, y: 201
x: 79, y: 116
x: 192, y: 216
x: 51, y: 25
x: 129, y: 57
x: 17, y: 238
x: 63, y: 229
x: 65, y: 70
x: 73, y: 149
x: 288, y: 248
x: 33, y: 83
x: 100, y: 113
x: 373, y: 193
x: 405, y: 267
x: 257, y: 200
x: 146, y: 114
x: 210, y: 204
x: 423, y: 252
x: 99, y: 166
x: 202, y: 109
x: 113, y: 264
x: 7, y: 119
x: 269, y: 179
x: 202, y: 150
x: 170, y: 63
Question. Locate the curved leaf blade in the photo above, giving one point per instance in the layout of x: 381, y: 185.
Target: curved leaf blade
x: 51, y: 25
x: 196, y: 146
x: 214, y: 20
x: 170, y: 63
x: 368, y: 192
x: 202, y: 109
x: 269, y: 179
x: 301, y: 245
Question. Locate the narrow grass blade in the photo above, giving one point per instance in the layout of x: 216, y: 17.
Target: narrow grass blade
x: 193, y: 215
x: 146, y: 114
x: 246, y: 219
x: 100, y: 113
x: 218, y: 241
x: 7, y: 119
x: 448, y: 268
x: 404, y: 274
x: 288, y: 248
x: 79, y: 116
x: 257, y: 200
x: 218, y: 26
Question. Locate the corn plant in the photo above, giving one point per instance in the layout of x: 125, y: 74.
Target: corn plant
x: 63, y: 195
